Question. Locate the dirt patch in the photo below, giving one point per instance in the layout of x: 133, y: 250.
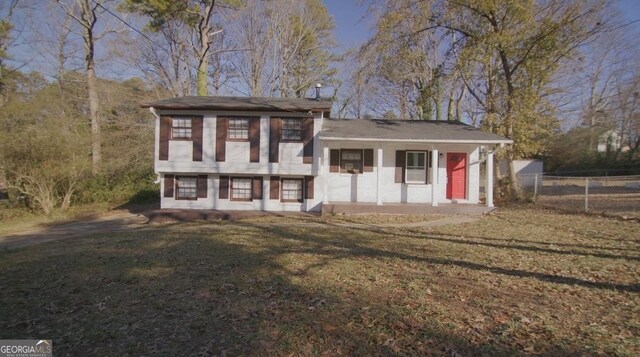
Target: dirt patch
x: 89, y: 224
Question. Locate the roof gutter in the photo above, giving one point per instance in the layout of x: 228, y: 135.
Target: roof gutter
x: 430, y: 141
x: 154, y: 112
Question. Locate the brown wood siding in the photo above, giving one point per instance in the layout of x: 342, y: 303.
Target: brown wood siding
x: 168, y: 185
x: 307, y: 134
x: 275, y: 125
x: 222, y: 126
x: 368, y: 160
x: 400, y: 165
x: 223, y: 190
x: 274, y: 187
x: 254, y: 140
x: 165, y: 134
x: 308, y: 193
x: 257, y: 188
x: 202, y: 186
x: 334, y: 160
x: 196, y: 137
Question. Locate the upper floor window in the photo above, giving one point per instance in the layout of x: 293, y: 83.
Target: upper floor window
x: 292, y: 129
x: 186, y: 188
x: 238, y: 128
x: 351, y: 161
x: 417, y: 162
x: 181, y: 128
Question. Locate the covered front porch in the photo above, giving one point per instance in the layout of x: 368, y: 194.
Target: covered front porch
x: 407, y: 165
x: 450, y: 174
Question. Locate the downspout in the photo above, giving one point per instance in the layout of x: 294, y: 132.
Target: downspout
x: 155, y: 140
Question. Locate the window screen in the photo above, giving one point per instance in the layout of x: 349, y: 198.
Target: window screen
x: 292, y: 129
x: 241, y: 189
x: 187, y: 188
x: 239, y: 128
x: 181, y: 128
x: 292, y: 190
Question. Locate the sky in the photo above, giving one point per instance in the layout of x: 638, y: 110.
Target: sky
x: 353, y: 27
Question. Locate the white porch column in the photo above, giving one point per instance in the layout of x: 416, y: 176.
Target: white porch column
x: 379, y: 178
x: 325, y: 175
x: 488, y: 189
x: 434, y: 178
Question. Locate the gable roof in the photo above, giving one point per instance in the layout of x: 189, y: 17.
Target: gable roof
x: 267, y: 104
x: 407, y: 130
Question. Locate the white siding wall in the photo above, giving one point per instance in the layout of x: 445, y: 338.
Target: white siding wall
x: 473, y: 176
x: 237, y: 164
x: 237, y: 153
x: 200, y: 203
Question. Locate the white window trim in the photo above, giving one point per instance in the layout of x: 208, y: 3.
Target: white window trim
x: 231, y: 188
x: 230, y: 129
x: 302, y: 192
x: 425, y: 169
x: 299, y: 138
x: 347, y: 173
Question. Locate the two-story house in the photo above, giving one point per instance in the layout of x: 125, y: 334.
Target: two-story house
x: 285, y: 154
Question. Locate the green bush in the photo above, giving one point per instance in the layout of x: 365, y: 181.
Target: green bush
x: 127, y: 187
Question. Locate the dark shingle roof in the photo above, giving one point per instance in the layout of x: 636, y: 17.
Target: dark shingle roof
x: 242, y: 103
x: 406, y: 130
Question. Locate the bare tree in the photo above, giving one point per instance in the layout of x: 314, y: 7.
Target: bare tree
x: 86, y: 15
x: 251, y: 28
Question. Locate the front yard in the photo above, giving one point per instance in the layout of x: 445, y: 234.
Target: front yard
x: 522, y: 281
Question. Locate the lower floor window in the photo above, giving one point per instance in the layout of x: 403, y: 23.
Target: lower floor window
x: 418, y: 165
x: 241, y: 189
x: 351, y: 161
x: 292, y: 190
x: 187, y: 188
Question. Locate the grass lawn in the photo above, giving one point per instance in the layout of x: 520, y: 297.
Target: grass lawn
x: 523, y: 281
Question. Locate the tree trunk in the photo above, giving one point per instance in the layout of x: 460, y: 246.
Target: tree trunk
x: 88, y: 17
x: 459, y: 100
x: 436, y: 93
x: 450, y: 105
x: 204, y: 28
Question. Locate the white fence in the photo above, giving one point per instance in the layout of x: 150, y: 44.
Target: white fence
x: 619, y: 195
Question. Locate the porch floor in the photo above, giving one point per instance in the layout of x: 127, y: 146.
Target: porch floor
x: 404, y: 208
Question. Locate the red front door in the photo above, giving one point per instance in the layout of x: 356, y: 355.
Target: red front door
x: 456, y: 175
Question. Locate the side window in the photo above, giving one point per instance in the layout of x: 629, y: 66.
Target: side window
x: 238, y: 129
x: 292, y: 129
x: 186, y: 188
x: 181, y: 128
x: 351, y: 161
